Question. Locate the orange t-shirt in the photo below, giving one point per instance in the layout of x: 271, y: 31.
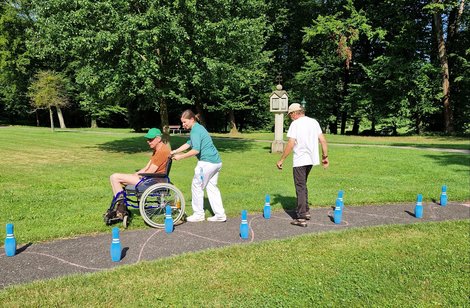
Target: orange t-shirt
x: 160, y: 158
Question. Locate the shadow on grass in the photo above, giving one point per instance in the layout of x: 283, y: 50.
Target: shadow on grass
x: 446, y: 159
x: 127, y: 145
x: 138, y: 144
x: 456, y: 146
x: 289, y: 204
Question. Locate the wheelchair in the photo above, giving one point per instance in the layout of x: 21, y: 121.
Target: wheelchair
x: 150, y: 195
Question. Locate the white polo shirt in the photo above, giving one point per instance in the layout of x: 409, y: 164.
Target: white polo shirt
x: 305, y: 131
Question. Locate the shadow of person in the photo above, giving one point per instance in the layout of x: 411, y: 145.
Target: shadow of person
x: 289, y: 204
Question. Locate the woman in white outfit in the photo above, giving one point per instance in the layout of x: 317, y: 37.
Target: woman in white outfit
x: 206, y: 172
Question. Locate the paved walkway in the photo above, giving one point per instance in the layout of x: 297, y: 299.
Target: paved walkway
x: 91, y: 253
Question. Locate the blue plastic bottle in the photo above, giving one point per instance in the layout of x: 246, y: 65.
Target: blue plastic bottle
x: 168, y: 220
x: 339, y: 203
x: 267, y: 207
x: 419, y: 207
x: 115, y: 249
x: 244, y: 226
x: 10, y: 242
x: 340, y: 198
x: 443, y: 200
x: 340, y: 194
x: 338, y: 212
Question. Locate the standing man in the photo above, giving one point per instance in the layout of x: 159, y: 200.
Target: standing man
x: 304, y: 134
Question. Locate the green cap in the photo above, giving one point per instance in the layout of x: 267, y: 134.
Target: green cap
x: 153, y: 133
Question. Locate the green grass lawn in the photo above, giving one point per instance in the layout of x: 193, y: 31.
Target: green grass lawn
x: 414, y: 141
x: 420, y: 265
x: 56, y: 185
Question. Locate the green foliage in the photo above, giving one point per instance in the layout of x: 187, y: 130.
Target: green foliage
x: 15, y: 62
x: 49, y: 89
x: 355, y: 62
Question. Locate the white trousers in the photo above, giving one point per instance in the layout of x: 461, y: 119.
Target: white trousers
x: 205, y: 177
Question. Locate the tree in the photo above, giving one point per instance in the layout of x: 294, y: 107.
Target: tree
x: 224, y: 61
x: 341, y: 31
x: 49, y: 90
x: 452, y: 12
x: 15, y: 61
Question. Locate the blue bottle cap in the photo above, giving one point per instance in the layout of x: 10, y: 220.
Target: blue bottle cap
x: 340, y: 194
x: 244, y: 215
x: 115, y: 232
x: 444, y: 188
x: 9, y: 228
x: 267, y: 199
x: 420, y: 198
x: 168, y: 210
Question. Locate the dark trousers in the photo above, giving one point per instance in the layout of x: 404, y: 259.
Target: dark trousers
x: 300, y: 182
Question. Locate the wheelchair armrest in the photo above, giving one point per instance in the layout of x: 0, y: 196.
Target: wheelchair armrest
x: 153, y: 175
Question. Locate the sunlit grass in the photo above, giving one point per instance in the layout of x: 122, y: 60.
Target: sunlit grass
x: 416, y: 265
x: 414, y: 141
x: 61, y: 179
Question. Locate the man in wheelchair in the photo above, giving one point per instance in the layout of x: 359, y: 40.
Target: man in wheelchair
x: 158, y: 164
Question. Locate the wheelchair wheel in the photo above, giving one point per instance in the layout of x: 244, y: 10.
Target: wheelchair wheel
x: 153, y: 202
x: 125, y: 221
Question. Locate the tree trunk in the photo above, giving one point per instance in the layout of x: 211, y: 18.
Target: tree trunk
x: 51, y: 116
x: 344, y: 113
x: 442, y: 53
x: 418, y: 124
x: 355, y: 129
x: 93, y: 122
x: 61, y: 117
x: 160, y: 85
x: 232, y: 123
x: 394, y: 129
x: 164, y: 120
x: 200, y: 112
x: 37, y: 118
x: 344, y: 119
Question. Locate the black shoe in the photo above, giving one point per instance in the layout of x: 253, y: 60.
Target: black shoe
x: 109, y: 216
x: 121, y: 209
x: 299, y: 222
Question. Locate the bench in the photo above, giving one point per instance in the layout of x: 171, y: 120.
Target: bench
x: 176, y: 129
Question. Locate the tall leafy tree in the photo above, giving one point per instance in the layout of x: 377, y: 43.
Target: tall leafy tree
x: 49, y: 89
x: 451, y: 12
x: 224, y: 56
x: 338, y: 33
x: 15, y: 62
x: 80, y: 39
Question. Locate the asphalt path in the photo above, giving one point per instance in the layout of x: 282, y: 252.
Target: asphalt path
x: 39, y: 261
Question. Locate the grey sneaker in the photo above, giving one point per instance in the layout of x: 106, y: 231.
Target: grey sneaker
x: 217, y: 218
x: 308, y: 216
x: 195, y: 218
